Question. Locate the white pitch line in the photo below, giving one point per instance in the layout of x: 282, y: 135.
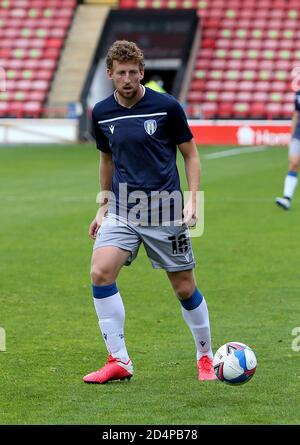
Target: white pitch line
x: 235, y: 151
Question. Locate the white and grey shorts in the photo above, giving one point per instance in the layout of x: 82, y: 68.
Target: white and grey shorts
x: 294, y: 147
x: 167, y: 247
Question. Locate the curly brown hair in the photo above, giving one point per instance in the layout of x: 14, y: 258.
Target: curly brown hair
x: 124, y: 51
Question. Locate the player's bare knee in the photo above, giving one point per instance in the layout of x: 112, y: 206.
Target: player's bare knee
x: 184, y: 290
x: 293, y: 166
x: 101, y: 276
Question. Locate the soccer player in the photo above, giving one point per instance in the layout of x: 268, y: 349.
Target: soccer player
x: 137, y: 131
x: 156, y: 83
x: 291, y: 178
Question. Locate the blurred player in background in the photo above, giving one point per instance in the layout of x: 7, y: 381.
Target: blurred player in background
x: 156, y: 83
x: 291, y: 178
x: 137, y: 131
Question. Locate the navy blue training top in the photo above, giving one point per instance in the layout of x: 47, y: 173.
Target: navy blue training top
x: 297, y: 108
x: 142, y: 140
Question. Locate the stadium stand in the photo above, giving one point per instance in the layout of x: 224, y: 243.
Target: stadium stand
x: 243, y: 67
x: 32, y: 36
x: 246, y: 55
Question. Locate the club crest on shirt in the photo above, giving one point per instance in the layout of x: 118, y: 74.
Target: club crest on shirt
x: 150, y: 126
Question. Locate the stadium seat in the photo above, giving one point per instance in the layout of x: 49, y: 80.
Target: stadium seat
x: 246, y: 86
x: 232, y: 74
x: 214, y: 85
x: 250, y: 64
x: 4, y: 107
x: 262, y: 85
x: 257, y: 110
x: 227, y: 96
x: 241, y: 109
x: 279, y: 86
x: 260, y: 96
x: 225, y: 110
x: 273, y: 110
x: 195, y: 96
x: 243, y: 96
x: 45, y: 75
x: 217, y: 64
x: 32, y: 109
x: 234, y: 64
x: 287, y: 110
x: 208, y: 110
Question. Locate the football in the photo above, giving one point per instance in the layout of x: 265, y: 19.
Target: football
x: 234, y: 363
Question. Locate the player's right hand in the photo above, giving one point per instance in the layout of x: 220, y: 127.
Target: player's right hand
x: 93, y: 229
x: 96, y: 223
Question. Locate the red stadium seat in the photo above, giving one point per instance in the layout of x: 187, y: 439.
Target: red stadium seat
x: 273, y: 110
x: 266, y: 64
x: 214, y: 85
x: 223, y: 43
x: 24, y: 85
x: 243, y: 96
x: 234, y: 64
x: 261, y: 14
x: 225, y: 109
x: 227, y: 96
x: 217, y: 64
x: 195, y: 96
x: 279, y: 86
x: 51, y: 53
x: 260, y: 96
x: 15, y: 109
x: 47, y: 64
x: 247, y: 85
x: 208, y: 110
x: 239, y: 44
x: 54, y: 43
x: 37, y: 96
x: 32, y: 109
x: 257, y: 110
x: 241, y: 109
x: 232, y: 75
x: 44, y: 75
x: 203, y: 64
x: 11, y: 33
x: 287, y: 44
x: 4, y: 107
x: 250, y: 64
x: 31, y: 64
x: 262, y: 85
x: 287, y: 110
x: 230, y: 85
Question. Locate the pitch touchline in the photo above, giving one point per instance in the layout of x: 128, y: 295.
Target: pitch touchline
x: 234, y: 151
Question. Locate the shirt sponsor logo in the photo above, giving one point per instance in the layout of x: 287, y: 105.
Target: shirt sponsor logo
x: 150, y: 126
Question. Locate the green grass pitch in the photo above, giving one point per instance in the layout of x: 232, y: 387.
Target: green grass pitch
x: 247, y: 268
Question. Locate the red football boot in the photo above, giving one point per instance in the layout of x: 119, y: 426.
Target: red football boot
x: 113, y: 369
x: 205, y: 369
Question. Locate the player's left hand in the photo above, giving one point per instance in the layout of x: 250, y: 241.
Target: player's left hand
x: 190, y: 214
